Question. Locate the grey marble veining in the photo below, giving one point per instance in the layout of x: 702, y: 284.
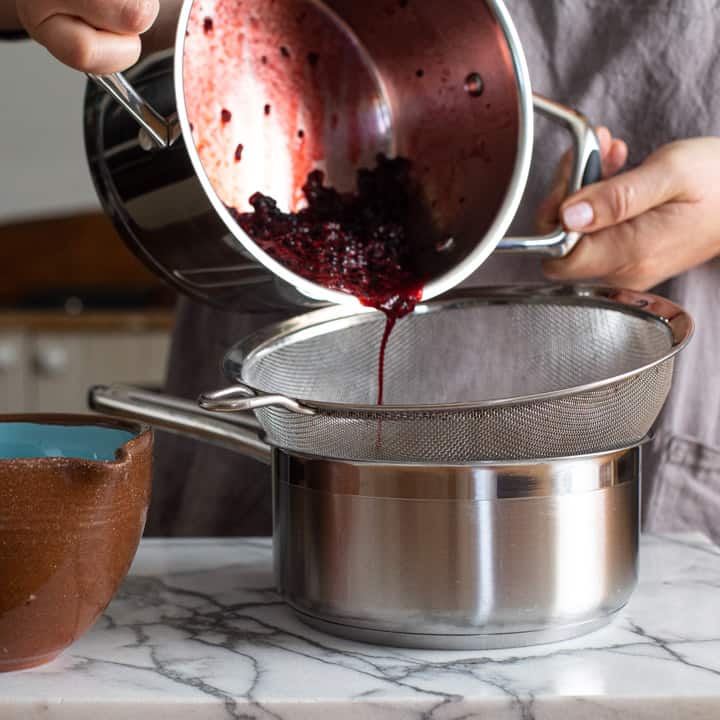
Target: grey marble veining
x: 197, y: 631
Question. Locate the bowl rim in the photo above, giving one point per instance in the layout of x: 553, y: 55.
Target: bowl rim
x: 142, y: 434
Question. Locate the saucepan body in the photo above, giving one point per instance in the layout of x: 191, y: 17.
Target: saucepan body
x: 477, y: 556
x: 252, y: 97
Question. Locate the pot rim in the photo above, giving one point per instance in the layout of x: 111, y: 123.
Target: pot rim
x: 468, y: 464
x: 458, y: 273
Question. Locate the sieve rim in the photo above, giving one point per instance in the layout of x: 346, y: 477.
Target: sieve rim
x: 649, y: 307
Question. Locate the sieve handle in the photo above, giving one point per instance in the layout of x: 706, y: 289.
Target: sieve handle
x: 240, y: 434
x: 241, y: 398
x: 587, y: 169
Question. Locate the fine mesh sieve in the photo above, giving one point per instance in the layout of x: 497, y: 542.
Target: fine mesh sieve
x: 496, y: 374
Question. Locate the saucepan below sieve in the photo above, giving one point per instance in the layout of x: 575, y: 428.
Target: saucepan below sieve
x: 391, y: 524
x: 486, y: 374
x: 440, y: 556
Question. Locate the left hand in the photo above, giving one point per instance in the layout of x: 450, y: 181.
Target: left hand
x: 644, y: 226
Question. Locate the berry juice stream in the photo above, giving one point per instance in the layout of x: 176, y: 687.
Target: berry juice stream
x: 365, y: 243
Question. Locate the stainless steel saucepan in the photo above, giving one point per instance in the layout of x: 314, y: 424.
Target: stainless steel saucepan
x: 252, y: 96
x: 439, y: 556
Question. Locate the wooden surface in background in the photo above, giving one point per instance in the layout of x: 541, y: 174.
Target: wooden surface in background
x: 88, y: 321
x: 80, y: 251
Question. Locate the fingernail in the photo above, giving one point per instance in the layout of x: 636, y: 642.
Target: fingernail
x: 578, y: 216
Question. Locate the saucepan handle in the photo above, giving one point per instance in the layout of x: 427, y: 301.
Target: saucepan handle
x: 587, y: 169
x: 241, y: 433
x: 156, y: 130
x: 241, y: 398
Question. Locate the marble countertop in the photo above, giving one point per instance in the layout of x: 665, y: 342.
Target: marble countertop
x: 197, y: 632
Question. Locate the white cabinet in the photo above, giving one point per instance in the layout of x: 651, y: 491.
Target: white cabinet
x: 52, y: 371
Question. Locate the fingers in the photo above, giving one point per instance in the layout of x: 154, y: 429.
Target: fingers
x: 614, y: 155
x: 547, y: 217
x: 649, y: 224
x: 615, y: 159
x: 78, y: 45
x: 619, y: 199
x: 637, y: 255
x: 95, y: 36
x: 614, y: 152
x: 600, y: 255
x: 123, y: 17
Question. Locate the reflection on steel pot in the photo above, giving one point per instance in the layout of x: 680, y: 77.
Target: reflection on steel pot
x: 479, y: 555
x: 252, y: 96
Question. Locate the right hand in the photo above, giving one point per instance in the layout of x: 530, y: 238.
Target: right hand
x: 614, y: 153
x: 93, y: 36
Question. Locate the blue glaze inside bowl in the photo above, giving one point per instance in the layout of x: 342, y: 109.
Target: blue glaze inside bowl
x: 31, y: 440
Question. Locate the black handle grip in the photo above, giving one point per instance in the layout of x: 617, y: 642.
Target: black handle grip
x: 593, y: 169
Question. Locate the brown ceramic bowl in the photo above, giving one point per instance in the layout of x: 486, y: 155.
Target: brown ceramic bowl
x: 74, y: 493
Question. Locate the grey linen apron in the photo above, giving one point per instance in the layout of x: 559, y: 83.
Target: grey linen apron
x: 650, y: 71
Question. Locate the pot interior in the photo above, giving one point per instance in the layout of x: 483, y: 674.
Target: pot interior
x: 274, y: 91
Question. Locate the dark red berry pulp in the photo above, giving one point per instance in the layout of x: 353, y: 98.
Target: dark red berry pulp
x: 368, y: 243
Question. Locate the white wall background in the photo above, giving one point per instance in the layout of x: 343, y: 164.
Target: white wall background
x: 43, y: 170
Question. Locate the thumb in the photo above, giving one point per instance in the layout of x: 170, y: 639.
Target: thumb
x: 618, y: 199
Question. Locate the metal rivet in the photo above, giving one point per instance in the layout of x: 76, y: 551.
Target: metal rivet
x: 474, y: 85
x: 446, y: 245
x: 146, y: 142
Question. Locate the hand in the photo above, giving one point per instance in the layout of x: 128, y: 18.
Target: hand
x: 95, y: 36
x: 646, y: 225
x: 614, y: 155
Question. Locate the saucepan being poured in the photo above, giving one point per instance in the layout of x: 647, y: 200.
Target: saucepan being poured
x: 356, y: 151
x: 371, y: 152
